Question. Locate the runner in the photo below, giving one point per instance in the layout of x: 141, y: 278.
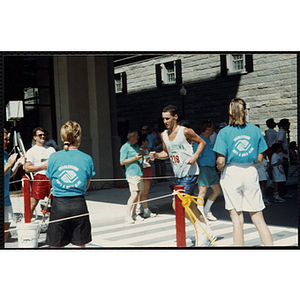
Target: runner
x: 177, y: 146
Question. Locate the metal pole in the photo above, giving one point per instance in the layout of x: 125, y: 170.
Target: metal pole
x: 180, y: 218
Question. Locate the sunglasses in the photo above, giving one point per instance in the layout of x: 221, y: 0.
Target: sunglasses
x: 40, y: 135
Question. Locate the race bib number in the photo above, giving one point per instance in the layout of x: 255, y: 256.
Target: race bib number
x: 175, y: 159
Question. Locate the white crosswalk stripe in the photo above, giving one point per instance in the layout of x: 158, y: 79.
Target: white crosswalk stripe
x: 160, y: 232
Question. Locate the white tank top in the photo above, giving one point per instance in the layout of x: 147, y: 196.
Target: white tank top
x: 179, y: 151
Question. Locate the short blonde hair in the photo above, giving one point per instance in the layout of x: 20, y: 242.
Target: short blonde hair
x: 69, y: 132
x: 236, y: 111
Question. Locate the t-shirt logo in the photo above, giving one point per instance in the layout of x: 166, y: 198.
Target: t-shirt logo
x: 242, y: 146
x: 68, y: 176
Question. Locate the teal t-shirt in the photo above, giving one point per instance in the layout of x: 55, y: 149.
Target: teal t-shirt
x: 240, y: 144
x: 69, y: 172
x: 129, y: 151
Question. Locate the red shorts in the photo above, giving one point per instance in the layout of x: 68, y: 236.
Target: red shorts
x: 40, y: 187
x: 147, y: 174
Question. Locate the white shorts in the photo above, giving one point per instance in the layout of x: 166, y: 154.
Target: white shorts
x: 241, y: 188
x: 136, y: 183
x: 8, y: 214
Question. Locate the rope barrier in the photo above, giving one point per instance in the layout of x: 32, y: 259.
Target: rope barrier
x: 147, y: 200
x: 186, y: 202
x: 101, y: 179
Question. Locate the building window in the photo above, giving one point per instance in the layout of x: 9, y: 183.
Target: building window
x: 234, y: 64
x: 168, y: 73
x: 120, y: 83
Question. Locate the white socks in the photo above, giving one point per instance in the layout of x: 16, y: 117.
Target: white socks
x: 208, y: 205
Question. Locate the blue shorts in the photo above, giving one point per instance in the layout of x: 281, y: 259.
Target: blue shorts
x: 188, y: 182
x: 208, y: 176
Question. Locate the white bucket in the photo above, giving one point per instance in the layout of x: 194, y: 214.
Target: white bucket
x: 28, y: 235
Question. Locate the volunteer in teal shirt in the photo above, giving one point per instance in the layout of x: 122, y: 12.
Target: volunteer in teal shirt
x: 70, y: 172
x: 131, y: 158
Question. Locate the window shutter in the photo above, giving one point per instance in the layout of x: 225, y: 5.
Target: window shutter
x: 249, y: 63
x: 124, y: 83
x: 178, y: 71
x: 158, y: 75
x: 223, y: 65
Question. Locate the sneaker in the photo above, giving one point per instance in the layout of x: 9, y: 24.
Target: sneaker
x: 267, y: 202
x: 210, y: 216
x: 129, y: 220
x: 139, y: 209
x: 149, y: 214
x: 278, y: 199
x: 203, y: 240
x: 137, y: 218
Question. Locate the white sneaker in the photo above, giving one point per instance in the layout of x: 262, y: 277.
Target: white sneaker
x: 203, y: 240
x: 278, y: 199
x: 137, y: 218
x: 149, y: 214
x: 210, y: 216
x: 129, y: 220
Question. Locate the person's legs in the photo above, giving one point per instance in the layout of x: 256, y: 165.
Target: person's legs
x: 33, y: 204
x: 263, y: 230
x: 216, y: 190
x: 131, y: 203
x: 202, y: 191
x: 144, y: 193
x: 238, y: 224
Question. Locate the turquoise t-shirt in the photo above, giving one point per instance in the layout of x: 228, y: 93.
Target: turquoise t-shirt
x: 240, y: 144
x: 208, y: 157
x: 69, y: 172
x: 129, y: 151
x: 7, y: 201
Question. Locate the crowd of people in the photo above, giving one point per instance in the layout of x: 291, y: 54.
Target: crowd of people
x: 235, y: 159
x: 64, y: 176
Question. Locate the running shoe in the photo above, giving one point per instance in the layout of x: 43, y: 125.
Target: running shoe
x: 210, y: 216
x: 129, y: 220
x: 267, y: 202
x: 137, y: 218
x: 278, y: 199
x: 149, y: 214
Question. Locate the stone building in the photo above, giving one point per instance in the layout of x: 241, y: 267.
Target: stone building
x: 266, y: 81
x: 107, y: 93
